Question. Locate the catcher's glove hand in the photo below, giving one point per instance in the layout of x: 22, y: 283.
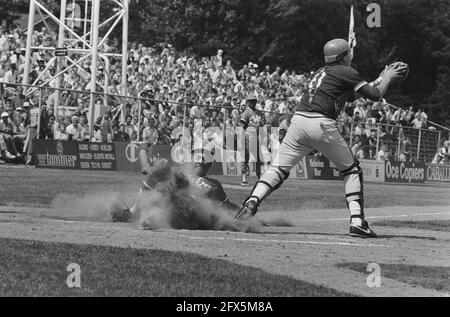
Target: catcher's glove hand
x: 401, y: 70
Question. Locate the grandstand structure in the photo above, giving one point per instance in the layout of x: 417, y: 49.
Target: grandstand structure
x: 81, y: 32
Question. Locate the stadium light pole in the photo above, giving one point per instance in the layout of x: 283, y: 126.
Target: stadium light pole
x: 29, y: 42
x: 87, y: 41
x: 124, y: 52
x: 95, y: 23
x: 60, y: 59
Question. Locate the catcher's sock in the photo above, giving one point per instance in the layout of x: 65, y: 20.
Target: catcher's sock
x: 355, y: 212
x: 357, y: 221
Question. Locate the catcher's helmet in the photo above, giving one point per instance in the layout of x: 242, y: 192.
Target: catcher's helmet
x: 334, y: 48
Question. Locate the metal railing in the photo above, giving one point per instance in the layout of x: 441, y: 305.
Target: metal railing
x: 423, y: 143
x: 404, y: 143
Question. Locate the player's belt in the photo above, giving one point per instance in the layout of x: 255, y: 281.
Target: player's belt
x: 310, y: 115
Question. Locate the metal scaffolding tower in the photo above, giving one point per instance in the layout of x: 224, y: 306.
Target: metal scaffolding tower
x: 82, y: 32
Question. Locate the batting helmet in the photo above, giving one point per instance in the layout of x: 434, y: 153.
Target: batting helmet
x: 334, y: 48
x: 203, y: 159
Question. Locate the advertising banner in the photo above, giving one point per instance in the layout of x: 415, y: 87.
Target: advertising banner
x: 373, y: 171
x: 97, y: 156
x: 319, y: 167
x: 438, y: 173
x: 229, y: 165
x: 299, y: 170
x: 56, y: 154
x: 404, y: 172
x: 127, y: 157
x: 118, y: 156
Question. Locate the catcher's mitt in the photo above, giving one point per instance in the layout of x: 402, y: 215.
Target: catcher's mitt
x: 404, y: 68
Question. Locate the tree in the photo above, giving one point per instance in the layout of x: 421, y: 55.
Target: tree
x: 291, y: 34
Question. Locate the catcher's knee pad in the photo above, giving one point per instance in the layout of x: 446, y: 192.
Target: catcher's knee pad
x: 275, y: 177
x: 271, y: 181
x: 354, y: 187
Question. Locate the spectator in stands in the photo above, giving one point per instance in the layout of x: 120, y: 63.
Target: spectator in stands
x: 423, y: 117
x: 4, y: 153
x: 59, y: 129
x: 443, y: 156
x: 75, y: 130
x: 121, y: 135
x: 357, y: 149
x: 383, y: 154
x: 85, y: 134
x: 358, y: 132
x: 130, y: 126
x: 11, y: 76
x: 104, y: 124
x: 47, y: 124
x: 360, y: 108
x: 418, y: 122
x: 20, y: 133
x: 372, y: 145
x: 6, y: 132
x: 405, y: 153
x: 150, y: 133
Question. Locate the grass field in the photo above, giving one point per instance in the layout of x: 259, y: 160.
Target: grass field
x: 436, y: 225
x: 41, y: 186
x: 437, y: 278
x: 299, y: 254
x: 39, y: 269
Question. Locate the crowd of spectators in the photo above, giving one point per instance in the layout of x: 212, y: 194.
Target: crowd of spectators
x: 366, y: 123
x: 214, y: 88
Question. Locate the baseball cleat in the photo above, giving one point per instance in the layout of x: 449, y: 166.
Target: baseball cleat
x: 9, y: 156
x: 122, y: 215
x: 362, y: 231
x: 245, y: 184
x: 249, y: 210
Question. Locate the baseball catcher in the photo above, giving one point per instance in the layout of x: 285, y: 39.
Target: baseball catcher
x: 190, y: 199
x: 313, y: 127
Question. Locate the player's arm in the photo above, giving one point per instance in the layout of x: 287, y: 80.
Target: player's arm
x: 217, y: 194
x: 374, y: 93
x: 146, y: 164
x: 245, y: 119
x: 229, y: 205
x: 376, y: 90
x: 243, y: 123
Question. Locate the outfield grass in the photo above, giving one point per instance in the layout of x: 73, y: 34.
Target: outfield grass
x: 431, y: 277
x: 39, y: 269
x: 433, y: 225
x: 41, y: 186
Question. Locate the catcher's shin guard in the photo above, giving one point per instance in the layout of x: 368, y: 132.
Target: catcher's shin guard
x: 270, y: 182
x: 354, y: 190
